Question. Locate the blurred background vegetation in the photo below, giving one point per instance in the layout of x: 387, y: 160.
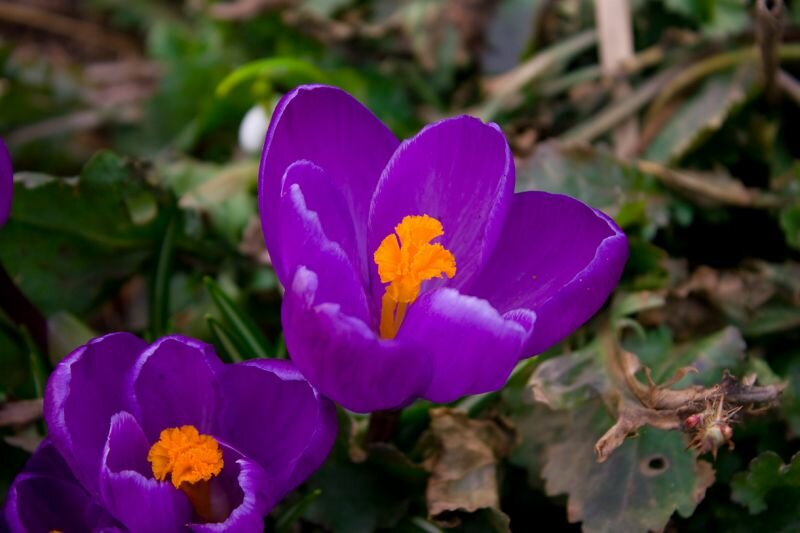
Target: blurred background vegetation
x: 135, y: 209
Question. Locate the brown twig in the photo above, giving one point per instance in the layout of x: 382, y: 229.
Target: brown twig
x: 769, y: 29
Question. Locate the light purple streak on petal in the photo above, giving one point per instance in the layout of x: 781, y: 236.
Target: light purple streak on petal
x: 248, y: 516
x: 329, y: 127
x: 311, y: 248
x: 558, y: 257
x: 276, y: 418
x: 129, y: 448
x: 175, y: 383
x: 83, y: 392
x: 343, y: 358
x: 459, y: 171
x: 6, y: 183
x: 472, y: 348
x: 140, y: 502
x: 46, y: 496
x: 321, y: 197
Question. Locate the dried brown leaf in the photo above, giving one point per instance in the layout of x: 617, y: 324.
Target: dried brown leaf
x: 463, y: 465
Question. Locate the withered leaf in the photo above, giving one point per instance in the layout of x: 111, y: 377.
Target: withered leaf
x: 463, y: 464
x: 637, y: 489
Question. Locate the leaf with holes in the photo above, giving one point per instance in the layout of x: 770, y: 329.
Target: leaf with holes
x: 636, y: 489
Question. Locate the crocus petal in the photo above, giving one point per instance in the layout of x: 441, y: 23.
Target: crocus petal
x: 175, y: 383
x: 472, y: 348
x: 6, y: 183
x: 138, y: 501
x: 276, y: 418
x: 459, y: 171
x: 47, y: 497
x: 248, y: 515
x: 320, y: 196
x: 330, y: 128
x: 343, y: 358
x: 311, y: 248
x: 557, y: 257
x: 83, y: 392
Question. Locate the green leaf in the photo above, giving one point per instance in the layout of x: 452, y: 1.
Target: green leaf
x: 160, y: 286
x: 68, y: 239
x: 365, y: 495
x: 766, y: 475
x: 704, y: 113
x: 596, y: 177
x: 230, y: 345
x: 239, y: 324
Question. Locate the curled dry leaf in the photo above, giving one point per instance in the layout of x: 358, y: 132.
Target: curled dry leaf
x: 705, y: 414
x: 463, y: 463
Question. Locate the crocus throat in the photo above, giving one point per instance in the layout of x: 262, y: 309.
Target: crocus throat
x: 191, y: 460
x: 404, y: 265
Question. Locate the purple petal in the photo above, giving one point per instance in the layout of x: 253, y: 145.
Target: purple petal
x: 557, y: 257
x: 47, y: 497
x: 138, y: 501
x: 269, y: 401
x: 342, y: 356
x: 471, y: 347
x: 175, y: 383
x: 321, y: 197
x: 459, y: 171
x: 307, y: 244
x: 328, y: 127
x: 83, y: 392
x: 6, y: 183
x: 255, y: 503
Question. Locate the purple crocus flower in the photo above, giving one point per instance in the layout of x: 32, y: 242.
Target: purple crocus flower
x: 6, y: 183
x: 412, y: 270
x: 165, y: 437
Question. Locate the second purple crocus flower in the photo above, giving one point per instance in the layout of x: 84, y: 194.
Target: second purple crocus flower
x: 166, y: 438
x: 412, y: 270
x: 6, y: 183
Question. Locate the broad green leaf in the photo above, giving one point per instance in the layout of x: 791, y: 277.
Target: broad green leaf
x: 767, y: 476
x: 68, y: 239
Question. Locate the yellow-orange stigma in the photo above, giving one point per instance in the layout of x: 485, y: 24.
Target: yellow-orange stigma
x: 404, y: 265
x: 186, y: 455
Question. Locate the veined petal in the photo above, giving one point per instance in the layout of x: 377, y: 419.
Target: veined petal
x: 307, y: 244
x: 321, y: 197
x: 472, y: 348
x: 134, y: 498
x: 47, y: 497
x: 557, y: 257
x: 6, y: 183
x: 330, y: 128
x: 459, y: 171
x: 175, y: 383
x: 343, y: 357
x: 83, y: 393
x: 276, y: 418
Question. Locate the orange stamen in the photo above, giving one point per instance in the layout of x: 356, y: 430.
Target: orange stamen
x: 404, y: 265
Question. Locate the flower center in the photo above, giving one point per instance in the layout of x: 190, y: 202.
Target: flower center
x: 404, y: 265
x: 185, y: 454
x: 191, y: 459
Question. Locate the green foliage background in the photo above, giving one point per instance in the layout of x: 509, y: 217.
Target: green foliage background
x: 135, y: 209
